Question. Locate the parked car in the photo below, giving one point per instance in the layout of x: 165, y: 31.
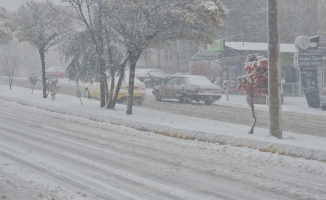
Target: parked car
x: 56, y: 72
x: 92, y: 90
x: 323, y: 99
x: 151, y: 77
x: 186, y: 88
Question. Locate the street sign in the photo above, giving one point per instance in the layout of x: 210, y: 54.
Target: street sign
x: 309, y: 59
x: 218, y: 45
x: 310, y: 86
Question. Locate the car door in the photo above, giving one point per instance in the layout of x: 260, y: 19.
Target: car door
x: 180, y: 86
x: 168, y: 88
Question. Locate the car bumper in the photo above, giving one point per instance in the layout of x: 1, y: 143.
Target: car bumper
x: 205, y: 96
x: 137, y: 93
x: 323, y: 100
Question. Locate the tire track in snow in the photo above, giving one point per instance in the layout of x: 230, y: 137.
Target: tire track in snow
x: 165, y: 152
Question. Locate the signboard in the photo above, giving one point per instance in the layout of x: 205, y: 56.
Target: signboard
x: 218, y: 45
x: 310, y: 86
x: 308, y: 62
x: 309, y: 59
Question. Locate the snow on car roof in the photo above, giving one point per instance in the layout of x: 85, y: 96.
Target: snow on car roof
x: 143, y: 71
x: 196, y: 80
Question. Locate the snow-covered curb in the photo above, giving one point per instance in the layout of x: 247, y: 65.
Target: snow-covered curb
x: 264, y: 146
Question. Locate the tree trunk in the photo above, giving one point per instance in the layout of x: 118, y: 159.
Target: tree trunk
x: 253, y: 114
x: 117, y: 88
x: 102, y: 82
x: 166, y: 57
x: 107, y: 93
x: 110, y: 103
x: 10, y: 81
x: 42, y: 56
x: 112, y: 73
x: 134, y: 56
x: 177, y: 54
x: 159, y: 59
x: 121, y: 77
x: 274, y: 74
x: 33, y: 89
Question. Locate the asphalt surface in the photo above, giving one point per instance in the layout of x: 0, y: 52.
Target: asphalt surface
x: 45, y: 155
x: 292, y: 121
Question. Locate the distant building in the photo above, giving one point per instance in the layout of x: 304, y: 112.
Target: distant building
x: 227, y: 62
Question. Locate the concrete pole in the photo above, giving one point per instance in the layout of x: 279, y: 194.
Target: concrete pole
x: 274, y: 75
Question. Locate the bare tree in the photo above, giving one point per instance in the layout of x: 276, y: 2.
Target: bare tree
x: 146, y: 23
x: 274, y: 75
x: 42, y: 26
x: 9, y: 63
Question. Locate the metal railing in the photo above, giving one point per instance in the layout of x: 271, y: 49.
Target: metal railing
x: 292, y: 90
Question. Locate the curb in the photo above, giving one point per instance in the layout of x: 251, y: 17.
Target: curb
x: 263, y: 146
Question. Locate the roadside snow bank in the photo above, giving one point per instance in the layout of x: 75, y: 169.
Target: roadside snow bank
x: 182, y: 127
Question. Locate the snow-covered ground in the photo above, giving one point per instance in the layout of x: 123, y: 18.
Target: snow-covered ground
x: 292, y: 104
x: 222, y: 132
x: 48, y: 155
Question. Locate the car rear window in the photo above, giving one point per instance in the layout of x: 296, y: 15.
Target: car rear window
x: 198, y: 80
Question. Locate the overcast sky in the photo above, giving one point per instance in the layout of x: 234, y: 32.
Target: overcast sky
x: 12, y: 5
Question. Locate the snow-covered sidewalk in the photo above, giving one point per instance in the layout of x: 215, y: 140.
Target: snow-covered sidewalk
x: 178, y: 126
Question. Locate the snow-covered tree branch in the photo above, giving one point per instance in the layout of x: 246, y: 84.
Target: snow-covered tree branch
x: 143, y: 24
x: 9, y: 62
x: 42, y: 26
x: 5, y: 26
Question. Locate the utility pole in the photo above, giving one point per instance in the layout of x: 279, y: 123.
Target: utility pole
x: 274, y: 74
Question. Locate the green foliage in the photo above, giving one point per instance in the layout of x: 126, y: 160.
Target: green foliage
x: 80, y: 52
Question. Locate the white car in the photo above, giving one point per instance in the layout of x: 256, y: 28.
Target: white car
x: 186, y: 88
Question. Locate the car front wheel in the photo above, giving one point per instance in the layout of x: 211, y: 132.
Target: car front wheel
x: 208, y: 101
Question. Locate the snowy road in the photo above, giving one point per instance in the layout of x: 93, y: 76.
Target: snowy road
x: 44, y: 155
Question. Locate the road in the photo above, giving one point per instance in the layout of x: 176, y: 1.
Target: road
x: 45, y: 155
x: 292, y: 121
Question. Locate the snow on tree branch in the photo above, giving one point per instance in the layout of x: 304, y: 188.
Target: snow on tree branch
x: 5, y: 26
x: 9, y: 62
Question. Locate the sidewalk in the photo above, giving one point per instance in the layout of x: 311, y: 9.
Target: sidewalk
x: 183, y: 127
